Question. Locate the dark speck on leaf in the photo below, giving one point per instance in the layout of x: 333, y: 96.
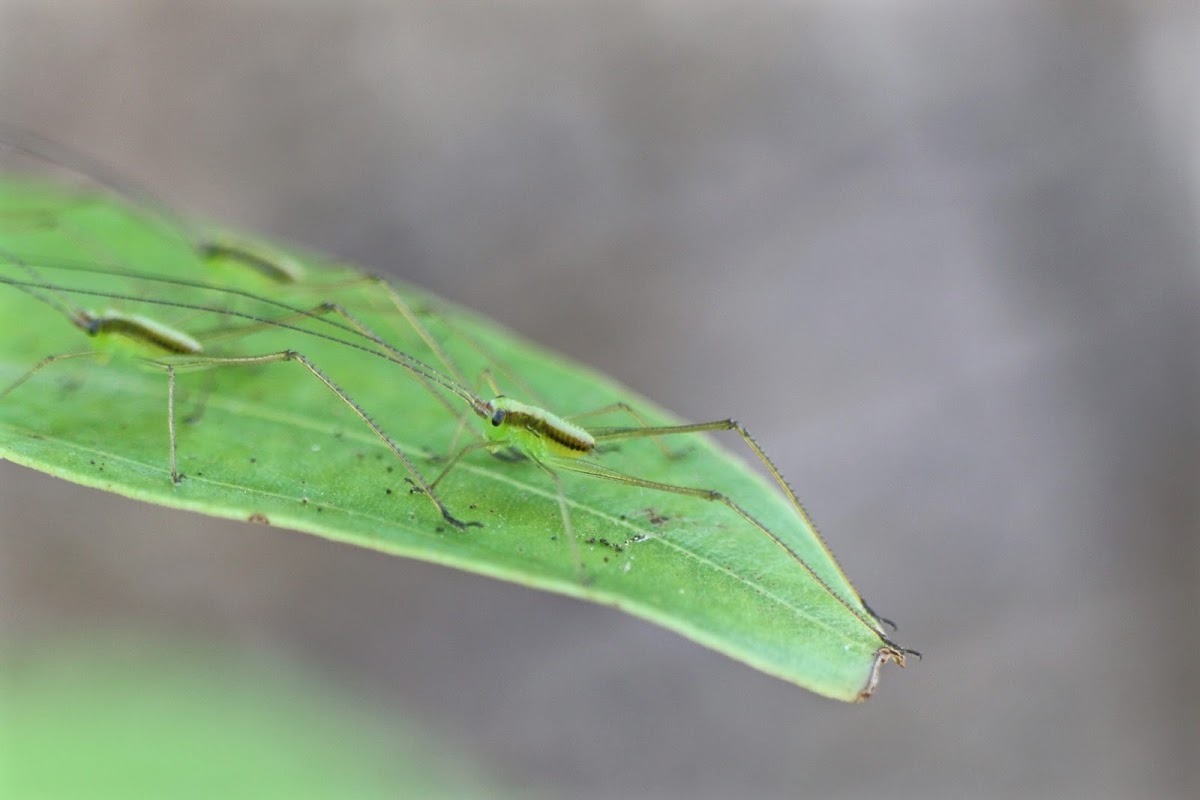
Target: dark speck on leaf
x: 261, y: 519
x: 655, y: 517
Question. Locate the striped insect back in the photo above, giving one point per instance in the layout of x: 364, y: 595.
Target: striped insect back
x: 138, y: 330
x: 536, y: 430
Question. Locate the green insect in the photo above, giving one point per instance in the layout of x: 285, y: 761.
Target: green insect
x: 505, y: 426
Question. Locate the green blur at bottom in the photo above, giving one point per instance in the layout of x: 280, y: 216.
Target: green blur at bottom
x: 131, y: 720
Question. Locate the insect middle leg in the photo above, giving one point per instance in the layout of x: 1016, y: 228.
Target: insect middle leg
x: 41, y: 365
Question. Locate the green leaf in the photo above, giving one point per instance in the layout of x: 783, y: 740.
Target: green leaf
x: 270, y: 443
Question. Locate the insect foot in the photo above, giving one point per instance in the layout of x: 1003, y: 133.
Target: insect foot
x: 458, y: 523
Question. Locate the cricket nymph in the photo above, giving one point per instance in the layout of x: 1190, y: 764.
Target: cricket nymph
x: 534, y: 430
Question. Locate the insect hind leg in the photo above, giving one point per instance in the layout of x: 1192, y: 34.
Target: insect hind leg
x: 621, y: 407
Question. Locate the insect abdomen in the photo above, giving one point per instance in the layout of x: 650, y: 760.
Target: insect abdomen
x: 564, y: 438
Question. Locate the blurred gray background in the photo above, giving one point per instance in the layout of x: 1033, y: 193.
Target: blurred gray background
x: 941, y: 257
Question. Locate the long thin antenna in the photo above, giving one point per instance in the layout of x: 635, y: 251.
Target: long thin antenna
x: 60, y: 155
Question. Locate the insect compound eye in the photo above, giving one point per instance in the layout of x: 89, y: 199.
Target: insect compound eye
x: 498, y: 417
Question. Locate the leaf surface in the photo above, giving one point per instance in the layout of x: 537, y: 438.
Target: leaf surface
x: 270, y: 443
